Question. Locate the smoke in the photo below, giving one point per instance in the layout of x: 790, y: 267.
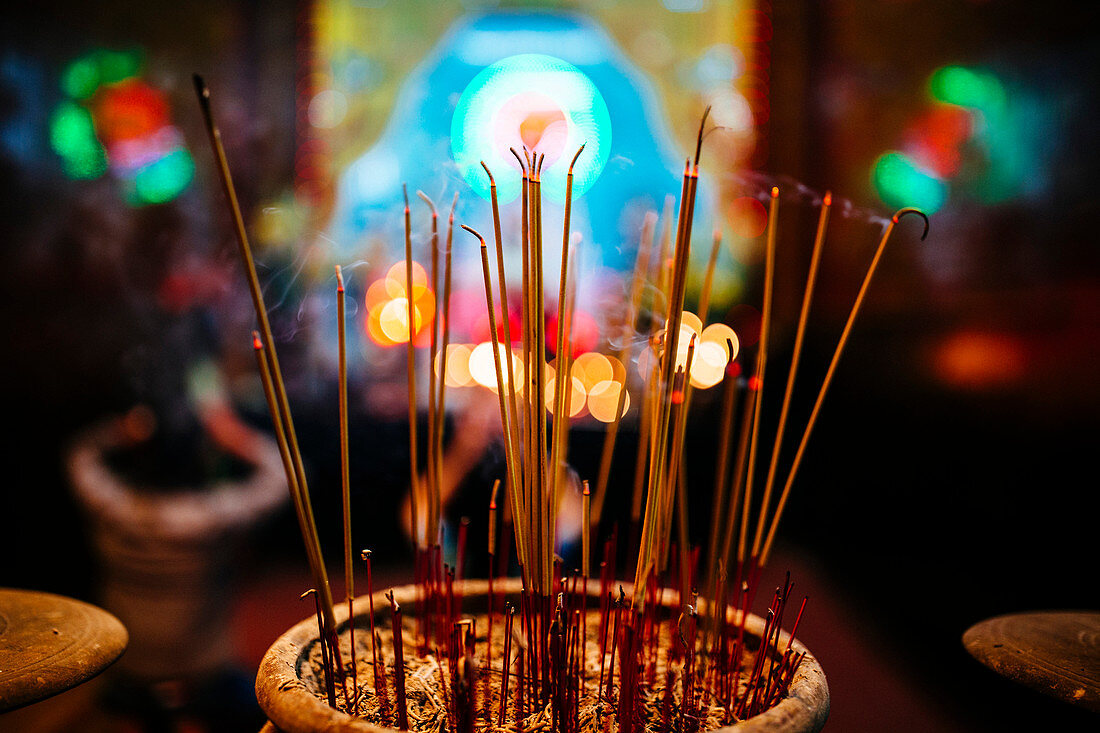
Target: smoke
x: 759, y: 185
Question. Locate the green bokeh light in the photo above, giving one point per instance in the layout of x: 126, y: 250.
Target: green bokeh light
x: 163, y: 179
x: 967, y: 88
x: 80, y: 79
x: 72, y: 136
x: 899, y: 183
x: 115, y: 66
x: 586, y: 114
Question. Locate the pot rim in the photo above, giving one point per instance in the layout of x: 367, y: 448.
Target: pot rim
x: 294, y: 709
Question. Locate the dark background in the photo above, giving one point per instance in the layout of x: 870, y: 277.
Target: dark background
x: 930, y: 499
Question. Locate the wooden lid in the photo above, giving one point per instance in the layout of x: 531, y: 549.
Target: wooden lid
x: 50, y: 643
x: 1054, y: 652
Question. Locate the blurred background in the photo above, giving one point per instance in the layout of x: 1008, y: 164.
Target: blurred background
x: 948, y: 476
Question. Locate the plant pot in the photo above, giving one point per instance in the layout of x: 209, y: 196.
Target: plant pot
x: 165, y: 558
x: 292, y: 707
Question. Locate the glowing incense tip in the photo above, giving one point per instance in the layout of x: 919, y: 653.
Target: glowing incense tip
x: 910, y: 210
x: 365, y: 554
x: 775, y: 192
x: 256, y: 343
x: 828, y: 201
x: 474, y: 232
x: 339, y: 280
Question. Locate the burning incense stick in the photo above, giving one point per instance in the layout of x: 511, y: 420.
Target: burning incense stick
x: 445, y: 327
x: 296, y: 479
x: 345, y: 481
x: 505, y: 311
x: 517, y: 502
x: 761, y: 365
x: 832, y: 370
x: 431, y: 465
x: 807, y: 297
x: 410, y: 354
x: 641, y: 268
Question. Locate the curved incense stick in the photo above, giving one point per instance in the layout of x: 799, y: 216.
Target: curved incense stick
x: 832, y: 370
x: 511, y: 458
x: 505, y: 310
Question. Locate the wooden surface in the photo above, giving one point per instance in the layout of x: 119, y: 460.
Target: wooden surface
x: 1054, y: 652
x: 50, y: 643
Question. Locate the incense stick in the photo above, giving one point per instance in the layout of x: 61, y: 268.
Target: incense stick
x: 641, y: 269
x: 832, y: 370
x: 431, y: 465
x: 345, y: 480
x: 410, y: 360
x: 516, y: 498
x: 761, y: 365
x: 441, y: 401
x: 272, y: 360
x: 803, y: 316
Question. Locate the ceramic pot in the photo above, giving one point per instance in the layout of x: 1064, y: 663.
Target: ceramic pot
x: 292, y: 707
x: 166, y: 558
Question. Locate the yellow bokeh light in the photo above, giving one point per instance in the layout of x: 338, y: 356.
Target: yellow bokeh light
x: 377, y: 296
x: 708, y: 365
x: 592, y: 368
x: 374, y: 329
x: 394, y: 320
x: 719, y: 333
x: 458, y: 365
x: 396, y: 277
x: 577, y: 396
x: 482, y: 365
x: 692, y: 321
x: 684, y: 343
x: 603, y: 400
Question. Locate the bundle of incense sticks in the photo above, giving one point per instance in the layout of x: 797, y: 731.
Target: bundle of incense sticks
x: 669, y: 674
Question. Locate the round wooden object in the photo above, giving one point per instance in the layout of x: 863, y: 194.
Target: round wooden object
x: 292, y: 708
x: 50, y: 643
x: 1054, y: 652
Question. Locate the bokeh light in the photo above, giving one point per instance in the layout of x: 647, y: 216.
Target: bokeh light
x: 900, y: 182
x: 603, y: 401
x: 482, y: 366
x: 566, y: 111
x: 748, y: 217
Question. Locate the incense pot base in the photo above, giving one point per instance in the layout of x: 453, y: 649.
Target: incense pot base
x: 166, y: 557
x: 292, y: 705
